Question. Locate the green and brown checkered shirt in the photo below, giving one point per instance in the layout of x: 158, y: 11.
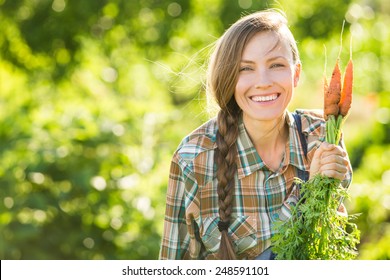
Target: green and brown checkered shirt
x: 261, y: 196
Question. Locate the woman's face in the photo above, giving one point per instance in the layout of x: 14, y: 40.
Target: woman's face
x: 267, y: 77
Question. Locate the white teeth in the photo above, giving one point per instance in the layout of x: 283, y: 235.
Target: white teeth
x: 265, y: 98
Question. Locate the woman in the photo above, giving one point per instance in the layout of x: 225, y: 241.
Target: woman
x: 233, y: 177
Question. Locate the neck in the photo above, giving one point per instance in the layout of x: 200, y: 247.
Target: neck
x: 269, y: 139
x: 267, y: 133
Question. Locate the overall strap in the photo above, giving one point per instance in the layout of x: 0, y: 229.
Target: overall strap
x: 302, y: 174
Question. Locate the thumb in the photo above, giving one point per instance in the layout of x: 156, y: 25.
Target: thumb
x: 319, y: 150
x: 316, y: 161
x: 321, y: 147
x: 325, y: 146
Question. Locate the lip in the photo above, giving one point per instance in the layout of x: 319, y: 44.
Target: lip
x: 265, y: 98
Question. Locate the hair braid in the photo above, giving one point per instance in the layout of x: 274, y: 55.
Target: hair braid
x: 225, y: 158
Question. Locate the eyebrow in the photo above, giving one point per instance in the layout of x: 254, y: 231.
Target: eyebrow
x: 247, y: 61
x: 268, y: 60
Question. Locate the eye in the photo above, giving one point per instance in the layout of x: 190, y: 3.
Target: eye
x: 277, y: 65
x: 245, y: 68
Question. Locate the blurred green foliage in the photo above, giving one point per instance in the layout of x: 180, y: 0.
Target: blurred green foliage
x: 96, y: 95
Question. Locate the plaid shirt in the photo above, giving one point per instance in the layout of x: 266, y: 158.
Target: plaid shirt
x: 261, y: 196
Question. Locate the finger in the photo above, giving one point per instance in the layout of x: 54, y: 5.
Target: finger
x: 333, y: 174
x: 334, y: 150
x: 330, y: 167
x: 334, y: 170
x: 340, y: 150
x: 326, y: 159
x: 323, y: 148
x: 328, y: 147
x: 325, y: 154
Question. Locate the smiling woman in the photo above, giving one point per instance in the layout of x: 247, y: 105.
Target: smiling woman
x: 267, y: 77
x: 233, y: 177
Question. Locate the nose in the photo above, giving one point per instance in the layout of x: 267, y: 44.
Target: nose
x: 263, y: 80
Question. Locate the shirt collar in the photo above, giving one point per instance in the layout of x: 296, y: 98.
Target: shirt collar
x: 249, y: 160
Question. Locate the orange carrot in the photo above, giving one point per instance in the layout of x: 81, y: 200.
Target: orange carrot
x: 332, y: 95
x: 325, y: 88
x: 346, y: 93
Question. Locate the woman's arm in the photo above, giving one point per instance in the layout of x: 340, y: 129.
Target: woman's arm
x: 175, y: 229
x: 180, y: 238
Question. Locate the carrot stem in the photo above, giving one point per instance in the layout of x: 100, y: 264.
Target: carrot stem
x: 341, y: 38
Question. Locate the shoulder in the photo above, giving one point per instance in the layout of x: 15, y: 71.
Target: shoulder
x: 313, y: 122
x: 200, y: 140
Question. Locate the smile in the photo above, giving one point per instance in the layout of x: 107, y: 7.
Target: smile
x: 265, y: 98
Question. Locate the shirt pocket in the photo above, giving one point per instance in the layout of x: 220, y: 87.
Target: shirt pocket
x: 242, y: 230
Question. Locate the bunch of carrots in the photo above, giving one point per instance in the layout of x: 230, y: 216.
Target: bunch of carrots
x: 337, y: 101
x: 316, y: 230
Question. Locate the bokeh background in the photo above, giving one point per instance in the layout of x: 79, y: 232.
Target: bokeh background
x: 96, y: 95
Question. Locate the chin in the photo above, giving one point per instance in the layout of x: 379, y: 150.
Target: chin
x: 266, y: 116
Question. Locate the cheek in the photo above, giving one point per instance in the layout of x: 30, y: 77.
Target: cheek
x: 242, y: 86
x: 239, y: 92
x: 286, y: 79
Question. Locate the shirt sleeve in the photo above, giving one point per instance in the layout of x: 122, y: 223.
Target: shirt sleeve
x: 175, y: 239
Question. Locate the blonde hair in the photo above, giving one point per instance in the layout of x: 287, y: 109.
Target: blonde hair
x: 222, y: 77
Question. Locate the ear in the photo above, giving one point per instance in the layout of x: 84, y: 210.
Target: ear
x: 297, y: 74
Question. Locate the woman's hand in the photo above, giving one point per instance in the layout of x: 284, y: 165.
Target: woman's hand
x: 329, y: 160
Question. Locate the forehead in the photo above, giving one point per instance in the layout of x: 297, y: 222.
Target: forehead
x: 266, y: 43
